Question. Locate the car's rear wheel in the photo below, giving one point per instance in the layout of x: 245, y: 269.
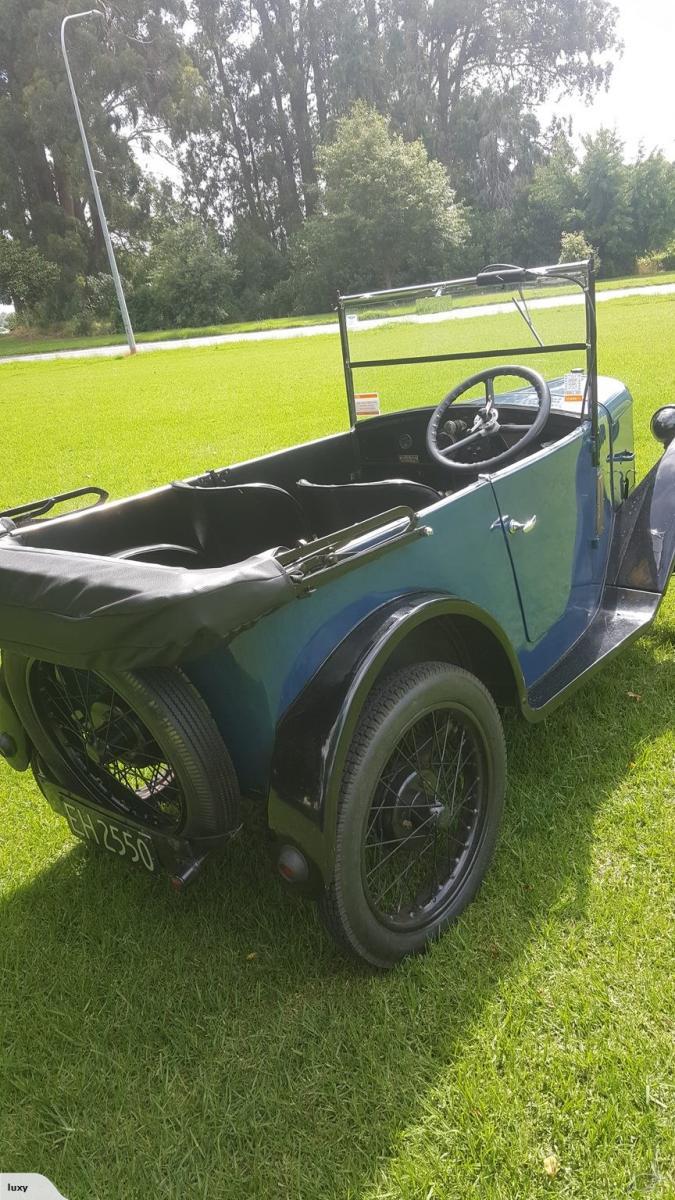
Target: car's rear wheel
x: 141, y: 742
x: 419, y: 813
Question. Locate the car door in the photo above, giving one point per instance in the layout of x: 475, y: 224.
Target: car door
x: 555, y: 515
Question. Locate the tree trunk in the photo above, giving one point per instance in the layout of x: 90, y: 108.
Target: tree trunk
x: 293, y: 59
x: 374, y: 53
x: 262, y: 203
x: 98, y: 258
x: 39, y: 189
x: 280, y: 44
x: 289, y: 216
x: 66, y: 199
x: 313, y: 42
x: 235, y: 133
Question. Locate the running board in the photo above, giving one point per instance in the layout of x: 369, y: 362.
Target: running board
x: 623, y: 615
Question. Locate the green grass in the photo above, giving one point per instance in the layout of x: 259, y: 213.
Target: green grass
x: 32, y: 343
x: 214, y: 1046
x: 608, y: 285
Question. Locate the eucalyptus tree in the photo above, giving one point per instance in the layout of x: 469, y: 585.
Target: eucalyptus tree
x: 465, y: 75
x: 604, y: 200
x: 130, y: 76
x: 652, y: 201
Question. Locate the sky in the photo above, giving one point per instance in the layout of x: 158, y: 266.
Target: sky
x: 640, y: 101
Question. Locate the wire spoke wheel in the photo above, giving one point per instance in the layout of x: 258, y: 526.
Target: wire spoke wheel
x: 103, y: 739
x: 424, y: 818
x: 421, y: 800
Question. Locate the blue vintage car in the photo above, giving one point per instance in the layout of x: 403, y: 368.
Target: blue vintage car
x: 330, y: 630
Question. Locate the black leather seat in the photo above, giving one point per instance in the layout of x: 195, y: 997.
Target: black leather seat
x: 331, y: 506
x: 217, y: 524
x: 232, y: 523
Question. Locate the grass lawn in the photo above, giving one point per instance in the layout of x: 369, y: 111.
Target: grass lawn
x: 214, y: 1046
x: 16, y: 344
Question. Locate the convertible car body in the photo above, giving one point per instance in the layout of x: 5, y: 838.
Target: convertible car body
x: 329, y: 630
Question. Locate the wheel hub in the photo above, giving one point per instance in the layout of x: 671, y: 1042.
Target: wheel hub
x: 425, y: 820
x: 105, y: 740
x: 104, y: 725
x: 415, y: 803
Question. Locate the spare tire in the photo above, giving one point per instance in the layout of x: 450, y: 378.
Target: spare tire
x: 141, y: 742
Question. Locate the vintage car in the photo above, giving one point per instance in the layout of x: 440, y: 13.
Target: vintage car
x: 330, y: 630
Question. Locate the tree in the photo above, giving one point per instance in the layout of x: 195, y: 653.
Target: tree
x: 388, y: 212
x: 187, y: 280
x: 465, y: 77
x: 575, y: 248
x: 549, y: 205
x: 254, y: 95
x: 128, y: 76
x: 261, y: 269
x: 651, y: 188
x: 604, y: 201
x: 26, y: 277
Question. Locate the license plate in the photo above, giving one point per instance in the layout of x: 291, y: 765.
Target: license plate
x: 121, y: 840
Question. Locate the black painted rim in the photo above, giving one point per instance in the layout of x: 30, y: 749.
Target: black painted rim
x: 105, y: 742
x: 426, y: 819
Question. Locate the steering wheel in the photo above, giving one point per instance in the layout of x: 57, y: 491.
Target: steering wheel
x: 487, y: 420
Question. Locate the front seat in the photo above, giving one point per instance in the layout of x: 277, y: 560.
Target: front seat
x: 331, y: 506
x: 231, y: 522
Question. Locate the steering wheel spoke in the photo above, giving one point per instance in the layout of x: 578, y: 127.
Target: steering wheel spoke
x: 487, y: 423
x: 469, y: 440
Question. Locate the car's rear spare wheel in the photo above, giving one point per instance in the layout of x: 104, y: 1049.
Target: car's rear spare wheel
x: 143, y: 742
x: 419, y: 812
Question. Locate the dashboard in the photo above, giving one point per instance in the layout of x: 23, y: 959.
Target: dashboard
x: 394, y: 446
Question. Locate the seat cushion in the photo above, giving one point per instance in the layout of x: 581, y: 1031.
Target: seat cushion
x: 230, y: 523
x: 331, y: 506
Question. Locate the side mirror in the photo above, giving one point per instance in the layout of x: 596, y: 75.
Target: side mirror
x: 663, y: 424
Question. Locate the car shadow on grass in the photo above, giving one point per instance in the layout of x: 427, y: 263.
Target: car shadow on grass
x: 214, y: 1045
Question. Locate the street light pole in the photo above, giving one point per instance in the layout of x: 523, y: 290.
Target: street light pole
x: 94, y: 182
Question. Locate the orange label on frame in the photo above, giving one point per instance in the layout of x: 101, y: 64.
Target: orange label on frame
x: 367, y: 404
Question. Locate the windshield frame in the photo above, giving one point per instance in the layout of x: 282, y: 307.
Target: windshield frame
x: 580, y: 274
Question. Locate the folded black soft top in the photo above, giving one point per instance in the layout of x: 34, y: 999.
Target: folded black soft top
x: 86, y: 611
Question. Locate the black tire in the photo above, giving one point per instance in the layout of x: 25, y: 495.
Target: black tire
x: 180, y: 730
x: 396, y: 709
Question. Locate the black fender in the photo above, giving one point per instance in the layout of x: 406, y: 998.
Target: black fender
x: 644, y: 551
x: 314, y: 734
x: 15, y: 747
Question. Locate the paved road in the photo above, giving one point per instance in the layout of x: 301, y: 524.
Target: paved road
x: 265, y: 335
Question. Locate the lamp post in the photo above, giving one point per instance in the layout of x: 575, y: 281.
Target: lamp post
x: 94, y: 182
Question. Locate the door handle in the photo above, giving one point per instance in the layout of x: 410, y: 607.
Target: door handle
x: 514, y: 526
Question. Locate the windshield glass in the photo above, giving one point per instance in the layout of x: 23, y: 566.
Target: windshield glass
x: 411, y: 346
